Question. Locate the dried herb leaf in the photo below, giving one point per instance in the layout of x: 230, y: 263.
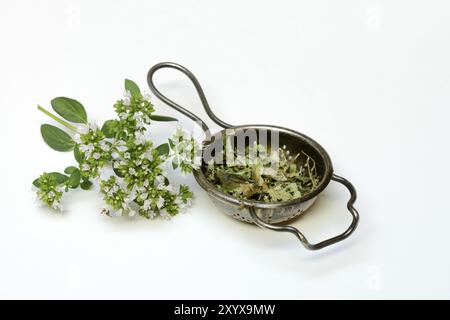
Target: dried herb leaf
x: 268, y: 178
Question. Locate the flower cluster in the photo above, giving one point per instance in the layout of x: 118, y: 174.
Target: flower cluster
x: 137, y: 183
x: 149, y: 200
x: 95, y: 149
x: 184, y: 151
x: 134, y: 112
x: 49, y: 191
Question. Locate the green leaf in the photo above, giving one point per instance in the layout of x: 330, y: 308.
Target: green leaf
x: 36, y: 183
x: 117, y: 172
x: 78, y: 154
x: 56, y: 138
x: 86, y: 185
x: 110, y: 127
x: 133, y: 88
x: 70, y: 169
x: 156, y: 117
x: 163, y: 149
x: 69, y: 109
x: 59, y: 177
x: 174, y: 164
x: 74, y: 179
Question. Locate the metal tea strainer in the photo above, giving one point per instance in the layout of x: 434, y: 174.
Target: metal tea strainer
x: 263, y: 214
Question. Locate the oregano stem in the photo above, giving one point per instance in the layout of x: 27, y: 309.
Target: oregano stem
x: 59, y: 120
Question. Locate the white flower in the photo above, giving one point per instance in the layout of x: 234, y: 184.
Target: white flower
x: 147, y: 97
x: 197, y: 162
x: 134, y: 191
x: 137, y: 116
x: 126, y: 155
x: 159, y: 181
x: 148, y: 155
x: 57, y: 206
x: 123, y: 115
x: 164, y: 215
x: 85, y: 147
x: 151, y: 214
x: 169, y: 188
x: 132, y: 171
x: 182, y: 157
x: 96, y: 156
x: 127, y: 94
x: 181, y: 205
x: 147, y: 204
x: 115, y: 155
x: 140, y: 137
x: 122, y: 148
x: 160, y: 202
x: 117, y: 213
x: 116, y: 165
x: 179, y: 133
x: 126, y: 97
x: 143, y: 195
x: 83, y: 129
x: 104, y: 146
x: 139, y: 124
x: 85, y: 167
x: 77, y: 138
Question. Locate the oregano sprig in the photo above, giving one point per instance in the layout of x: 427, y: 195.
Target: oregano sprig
x: 137, y: 183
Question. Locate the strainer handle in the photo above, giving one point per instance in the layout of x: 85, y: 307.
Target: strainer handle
x: 301, y: 237
x: 175, y: 105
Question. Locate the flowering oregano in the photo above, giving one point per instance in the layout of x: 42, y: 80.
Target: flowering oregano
x: 119, y: 157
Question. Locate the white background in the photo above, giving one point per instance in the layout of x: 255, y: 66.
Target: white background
x: 369, y: 80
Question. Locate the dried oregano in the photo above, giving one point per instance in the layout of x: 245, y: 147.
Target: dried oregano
x: 268, y: 176
x: 119, y: 157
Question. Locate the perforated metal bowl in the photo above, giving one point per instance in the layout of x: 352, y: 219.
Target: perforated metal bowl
x: 263, y: 214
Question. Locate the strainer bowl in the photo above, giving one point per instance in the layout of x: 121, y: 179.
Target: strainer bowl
x: 272, y: 215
